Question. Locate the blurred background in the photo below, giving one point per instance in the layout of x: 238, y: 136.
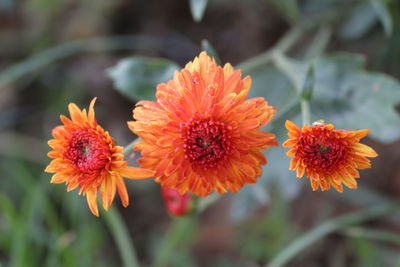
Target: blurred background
x: 53, y: 52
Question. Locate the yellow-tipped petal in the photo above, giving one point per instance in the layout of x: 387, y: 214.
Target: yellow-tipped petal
x: 364, y: 150
x: 91, y: 114
x: 314, y: 184
x: 107, y: 191
x: 58, y: 178
x: 123, y: 193
x: 92, y: 202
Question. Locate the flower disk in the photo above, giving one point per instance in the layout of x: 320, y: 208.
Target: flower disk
x: 85, y: 156
x: 202, y: 134
x: 328, y: 156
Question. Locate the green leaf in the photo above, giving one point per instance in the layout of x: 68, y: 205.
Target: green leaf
x: 360, y: 22
x: 352, y: 98
x: 137, y: 77
x: 289, y: 8
x: 197, y: 8
x: 384, y: 16
x: 272, y: 84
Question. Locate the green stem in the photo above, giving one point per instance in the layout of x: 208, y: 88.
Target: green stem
x: 129, y: 148
x: 179, y: 229
x: 283, y: 45
x: 119, y: 230
x: 326, y: 228
x: 121, y: 236
x: 287, y: 67
x: 319, y: 43
x: 379, y: 235
x: 305, y: 111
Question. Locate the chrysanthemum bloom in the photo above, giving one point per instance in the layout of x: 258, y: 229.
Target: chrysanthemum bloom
x: 86, y: 156
x: 202, y: 134
x: 328, y: 156
x: 176, y: 203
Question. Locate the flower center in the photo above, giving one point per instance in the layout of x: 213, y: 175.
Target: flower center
x: 320, y: 151
x: 323, y: 149
x: 87, y: 151
x: 205, y: 141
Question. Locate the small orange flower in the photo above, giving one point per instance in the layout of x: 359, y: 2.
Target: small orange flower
x: 330, y: 157
x: 202, y: 134
x: 85, y: 156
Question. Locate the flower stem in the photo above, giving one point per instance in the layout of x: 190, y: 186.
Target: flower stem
x: 326, y: 228
x: 365, y: 233
x: 283, y: 45
x: 283, y: 63
x: 118, y: 228
x: 179, y: 229
x: 305, y: 110
x: 129, y: 148
x: 121, y: 237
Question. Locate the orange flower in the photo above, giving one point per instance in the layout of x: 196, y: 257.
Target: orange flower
x: 202, y: 134
x: 328, y: 156
x: 85, y: 156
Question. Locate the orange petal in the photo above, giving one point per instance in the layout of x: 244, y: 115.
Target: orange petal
x: 92, y: 202
x: 361, y: 133
x: 291, y: 152
x: 75, y: 112
x: 107, y: 191
x: 135, y: 173
x: 53, y: 143
x: 364, y: 150
x: 91, y: 115
x: 53, y: 166
x: 289, y: 143
x: 314, y: 184
x: 59, y: 178
x: 353, y: 172
x: 72, y: 185
x: 292, y: 127
x: 294, y: 163
x: 123, y: 193
x: 350, y: 182
x: 300, y: 171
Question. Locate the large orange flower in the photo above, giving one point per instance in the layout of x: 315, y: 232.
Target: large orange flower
x: 202, y: 134
x: 328, y: 156
x: 85, y: 156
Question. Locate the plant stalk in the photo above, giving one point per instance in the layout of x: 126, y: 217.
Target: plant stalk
x: 326, y: 228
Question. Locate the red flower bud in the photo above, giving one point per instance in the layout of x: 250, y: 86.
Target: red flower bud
x: 176, y: 203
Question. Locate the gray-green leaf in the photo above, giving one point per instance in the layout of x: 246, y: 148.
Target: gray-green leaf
x: 197, y: 8
x: 384, y: 16
x: 362, y: 19
x: 352, y: 98
x: 137, y: 77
